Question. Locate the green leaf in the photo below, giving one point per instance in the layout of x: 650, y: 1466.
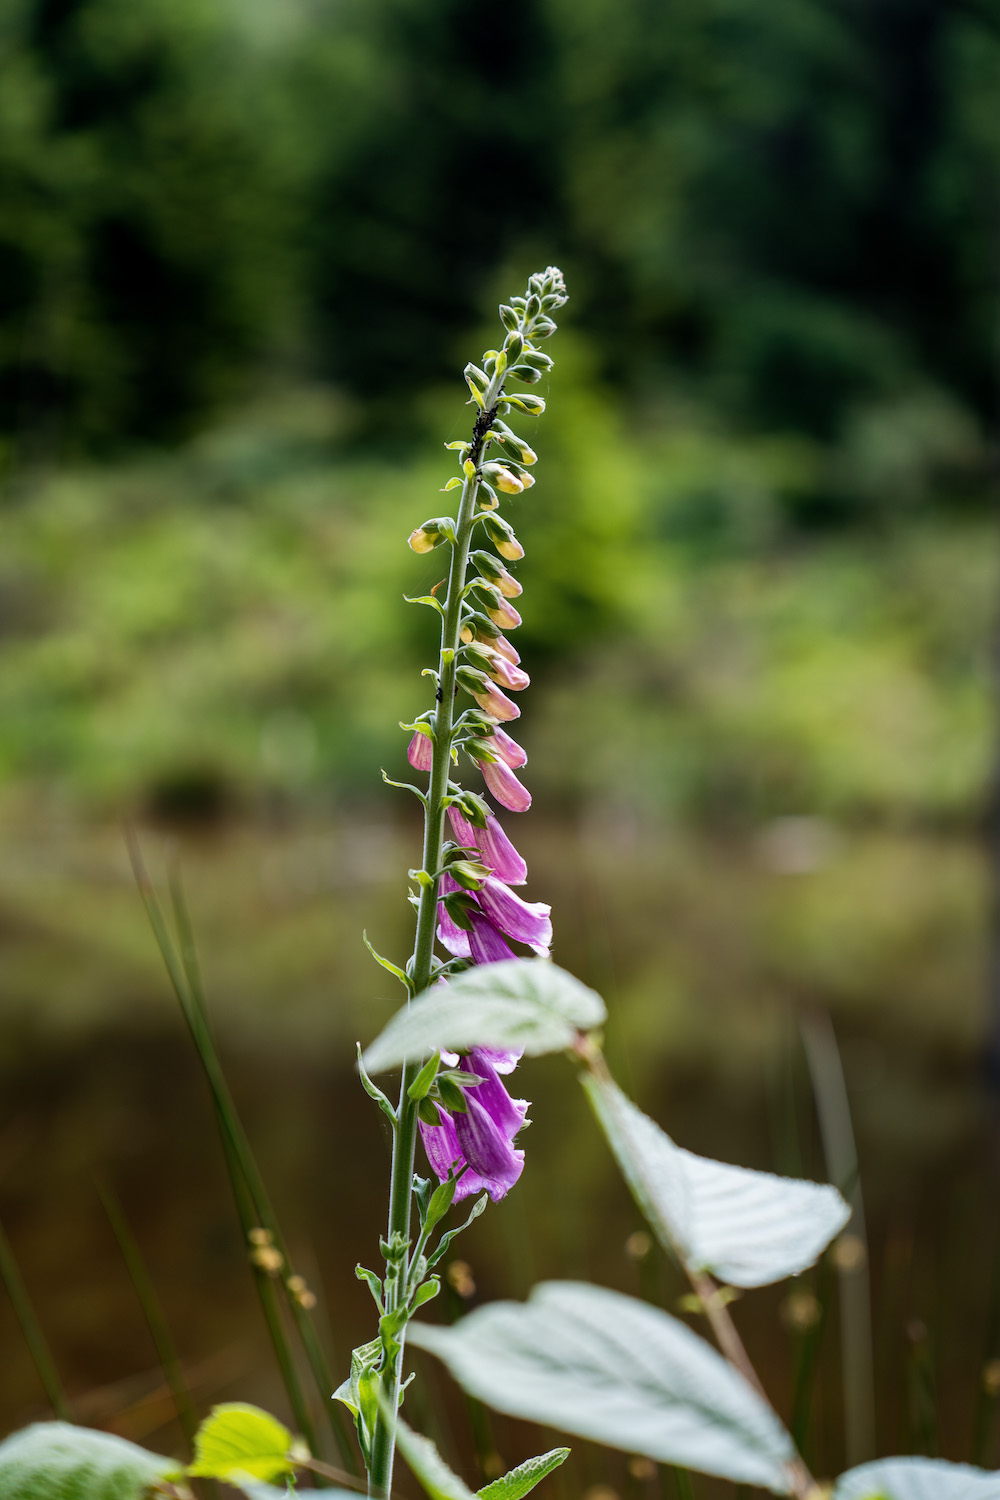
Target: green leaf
x: 359, y: 1392
x: 57, y: 1461
x: 429, y: 1467
x: 590, y: 1361
x: 418, y: 1088
x: 917, y: 1479
x: 748, y: 1228
x: 237, y: 1441
x: 522, y: 1480
x: 523, y: 1002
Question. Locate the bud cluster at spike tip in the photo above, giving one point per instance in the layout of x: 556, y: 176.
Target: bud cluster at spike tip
x: 478, y: 916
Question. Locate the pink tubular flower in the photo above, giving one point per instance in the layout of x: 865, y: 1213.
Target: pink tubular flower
x: 420, y: 752
x: 480, y: 1140
x: 504, y: 785
x: 525, y: 921
x: 485, y: 943
x: 506, y: 749
x: 514, y: 678
x: 492, y: 701
x: 494, y: 846
x: 502, y: 646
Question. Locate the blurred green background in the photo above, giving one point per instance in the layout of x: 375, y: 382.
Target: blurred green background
x: 245, y: 249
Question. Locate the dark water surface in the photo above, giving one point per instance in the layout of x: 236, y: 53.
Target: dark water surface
x: 709, y: 952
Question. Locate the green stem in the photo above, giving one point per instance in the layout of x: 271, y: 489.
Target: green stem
x: 405, y: 1134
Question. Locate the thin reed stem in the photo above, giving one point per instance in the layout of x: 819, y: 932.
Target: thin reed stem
x: 37, y: 1343
x: 152, y: 1309
x: 252, y: 1201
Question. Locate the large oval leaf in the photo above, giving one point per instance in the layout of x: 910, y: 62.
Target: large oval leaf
x: 524, y: 1002
x: 747, y: 1228
x: 237, y: 1441
x: 917, y: 1479
x: 57, y: 1461
x: 593, y: 1362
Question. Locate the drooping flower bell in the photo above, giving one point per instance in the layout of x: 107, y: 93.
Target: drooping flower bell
x: 478, y: 1142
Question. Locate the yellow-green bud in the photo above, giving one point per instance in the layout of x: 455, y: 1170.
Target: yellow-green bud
x: 431, y: 534
x: 505, y: 479
x: 502, y: 536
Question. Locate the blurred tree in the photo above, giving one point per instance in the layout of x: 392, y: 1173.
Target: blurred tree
x: 790, y: 212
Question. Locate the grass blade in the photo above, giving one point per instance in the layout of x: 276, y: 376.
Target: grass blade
x: 37, y: 1343
x: 152, y: 1309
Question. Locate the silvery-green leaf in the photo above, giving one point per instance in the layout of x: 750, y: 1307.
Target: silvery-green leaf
x: 917, y: 1479
x: 58, y: 1461
x: 748, y: 1228
x: 524, y: 1002
x: 522, y: 1480
x: 593, y: 1362
x: 430, y: 1468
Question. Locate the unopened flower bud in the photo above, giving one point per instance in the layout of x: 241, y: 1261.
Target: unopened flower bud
x: 487, y: 694
x: 527, y: 373
x: 513, y: 346
x: 476, y: 379
x: 533, y: 306
x: 504, y: 478
x: 536, y: 359
x: 497, y: 574
x: 508, y: 317
x: 431, y: 534
x: 468, y: 873
x: 533, y: 406
x: 514, y: 446
x: 500, y: 611
x: 476, y: 627
x: 542, y: 328
x: 501, y: 534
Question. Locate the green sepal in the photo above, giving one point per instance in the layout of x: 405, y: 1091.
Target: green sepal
x: 481, y: 624
x: 458, y: 905
x: 469, y: 873
x: 522, y: 1480
x: 474, y: 808
x: 374, y: 1092
x: 420, y: 1085
x: 422, y: 878
x: 479, y: 750
x: 374, y: 1284
x: 451, y: 1095
x: 386, y: 963
x: 478, y: 657
x: 446, y: 1239
x: 468, y: 1080
x: 428, y: 1112
x: 458, y: 446
x: 454, y: 483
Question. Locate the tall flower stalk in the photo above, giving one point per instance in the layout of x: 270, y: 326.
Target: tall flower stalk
x: 462, y: 896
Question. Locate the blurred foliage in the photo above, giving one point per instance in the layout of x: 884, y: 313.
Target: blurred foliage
x: 205, y: 632
x: 787, y: 213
